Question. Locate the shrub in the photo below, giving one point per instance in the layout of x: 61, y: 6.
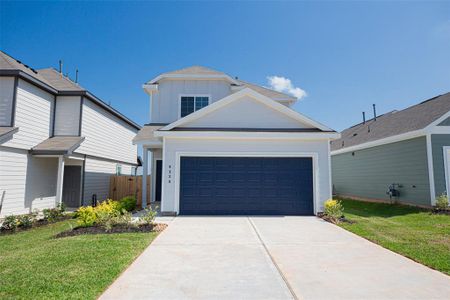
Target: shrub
x: 333, y: 209
x: 25, y: 221
x: 442, y: 202
x: 86, y: 216
x: 106, y: 211
x: 128, y: 203
x: 149, y: 217
x: 10, y: 223
x: 52, y: 214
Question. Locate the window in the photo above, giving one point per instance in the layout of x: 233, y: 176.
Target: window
x: 189, y: 104
x: 118, y: 169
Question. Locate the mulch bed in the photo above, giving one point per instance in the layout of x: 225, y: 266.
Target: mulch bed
x: 441, y: 211
x: 37, y: 223
x: 157, y: 227
x: 332, y: 220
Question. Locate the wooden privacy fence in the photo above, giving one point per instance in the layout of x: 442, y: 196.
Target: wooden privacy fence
x: 122, y: 186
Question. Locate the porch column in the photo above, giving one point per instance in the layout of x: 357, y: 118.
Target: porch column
x: 144, y: 176
x: 60, y: 180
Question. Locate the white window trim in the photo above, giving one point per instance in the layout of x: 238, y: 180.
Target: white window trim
x: 178, y: 155
x: 446, y: 149
x: 191, y: 95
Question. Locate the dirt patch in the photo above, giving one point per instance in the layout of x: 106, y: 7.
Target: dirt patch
x: 157, y: 227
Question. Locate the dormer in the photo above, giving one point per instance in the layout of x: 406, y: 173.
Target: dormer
x: 176, y: 94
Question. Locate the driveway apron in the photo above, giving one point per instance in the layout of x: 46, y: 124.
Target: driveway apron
x: 271, y: 258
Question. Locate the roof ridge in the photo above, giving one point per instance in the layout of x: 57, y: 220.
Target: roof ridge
x: 266, y: 88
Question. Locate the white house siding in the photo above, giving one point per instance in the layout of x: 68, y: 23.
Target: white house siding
x: 106, y: 135
x: 165, y: 104
x: 247, y: 113
x: 26, y: 182
x: 67, y: 115
x: 97, y: 176
x: 33, y: 116
x: 6, y: 100
x: 245, y: 146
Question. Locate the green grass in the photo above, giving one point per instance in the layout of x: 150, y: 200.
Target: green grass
x: 34, y: 265
x: 410, y: 231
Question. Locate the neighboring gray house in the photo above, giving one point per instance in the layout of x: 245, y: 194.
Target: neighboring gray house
x: 58, y: 142
x: 410, y: 148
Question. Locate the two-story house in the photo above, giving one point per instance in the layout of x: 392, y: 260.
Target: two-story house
x: 220, y: 145
x: 58, y: 142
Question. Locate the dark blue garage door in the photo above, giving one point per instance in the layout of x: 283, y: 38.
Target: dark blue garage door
x: 246, y: 186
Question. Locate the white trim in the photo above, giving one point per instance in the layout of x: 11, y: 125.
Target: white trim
x: 255, y: 95
x: 313, y: 155
x: 144, y: 177
x: 438, y: 120
x: 249, y: 135
x: 430, y: 169
x: 163, y: 179
x: 330, y: 183
x: 60, y: 180
x: 446, y: 150
x: 191, y: 95
x: 388, y: 140
x: 193, y: 77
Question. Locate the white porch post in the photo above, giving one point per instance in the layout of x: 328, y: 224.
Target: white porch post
x: 144, y: 176
x: 60, y: 180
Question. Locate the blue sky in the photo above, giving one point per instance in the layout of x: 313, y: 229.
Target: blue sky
x: 345, y: 55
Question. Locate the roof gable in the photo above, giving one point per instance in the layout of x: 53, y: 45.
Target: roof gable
x: 194, y: 72
x: 246, y: 109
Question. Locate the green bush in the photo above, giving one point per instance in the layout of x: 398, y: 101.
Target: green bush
x: 442, y: 202
x: 25, y: 221
x: 10, y: 223
x: 86, y: 216
x: 149, y: 217
x: 334, y: 209
x: 128, y: 203
x: 52, y: 214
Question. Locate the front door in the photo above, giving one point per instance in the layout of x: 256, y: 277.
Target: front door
x: 72, y: 186
x: 158, y: 180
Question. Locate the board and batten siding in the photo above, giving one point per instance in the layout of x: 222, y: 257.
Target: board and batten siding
x: 236, y: 115
x: 438, y: 141
x: 106, y: 135
x: 34, y: 111
x: 369, y: 172
x: 6, y: 100
x: 26, y: 182
x: 67, y: 115
x: 97, y: 174
x: 165, y: 104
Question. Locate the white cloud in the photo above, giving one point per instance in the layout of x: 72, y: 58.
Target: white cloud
x: 284, y: 85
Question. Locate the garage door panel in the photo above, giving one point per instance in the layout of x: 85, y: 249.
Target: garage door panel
x: 246, y: 185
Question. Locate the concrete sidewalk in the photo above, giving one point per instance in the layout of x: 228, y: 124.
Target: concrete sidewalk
x: 271, y: 258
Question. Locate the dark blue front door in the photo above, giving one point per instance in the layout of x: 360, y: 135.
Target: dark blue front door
x: 246, y: 186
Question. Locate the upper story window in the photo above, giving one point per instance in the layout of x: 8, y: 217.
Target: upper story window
x: 189, y: 104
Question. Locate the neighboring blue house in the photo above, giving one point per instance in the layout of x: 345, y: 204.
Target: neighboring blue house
x: 409, y: 148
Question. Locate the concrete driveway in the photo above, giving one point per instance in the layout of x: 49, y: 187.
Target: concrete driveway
x: 271, y: 258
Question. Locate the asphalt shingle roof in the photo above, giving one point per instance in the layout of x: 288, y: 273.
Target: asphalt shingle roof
x: 59, y: 144
x: 59, y: 81
x: 394, y: 123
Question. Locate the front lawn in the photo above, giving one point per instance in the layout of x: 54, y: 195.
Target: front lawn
x: 34, y: 265
x: 410, y: 231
